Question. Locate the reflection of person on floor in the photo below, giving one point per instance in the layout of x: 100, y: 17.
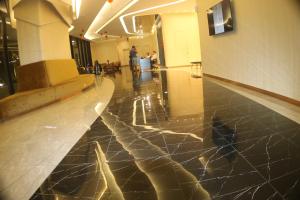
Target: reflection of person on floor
x: 133, y: 58
x: 136, y: 80
x: 225, y: 138
x: 98, y: 68
x: 153, y: 59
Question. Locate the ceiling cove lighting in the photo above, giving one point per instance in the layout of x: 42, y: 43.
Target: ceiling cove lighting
x: 144, y: 10
x: 118, y: 14
x: 76, y: 5
x: 92, y: 32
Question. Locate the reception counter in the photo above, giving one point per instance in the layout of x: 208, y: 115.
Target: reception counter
x: 145, y: 63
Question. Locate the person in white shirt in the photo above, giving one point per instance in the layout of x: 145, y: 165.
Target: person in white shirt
x: 148, y: 55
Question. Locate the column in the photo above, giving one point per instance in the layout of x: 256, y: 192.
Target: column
x: 42, y: 32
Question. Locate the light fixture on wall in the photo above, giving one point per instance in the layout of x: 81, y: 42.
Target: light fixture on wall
x: 76, y: 5
x: 71, y: 28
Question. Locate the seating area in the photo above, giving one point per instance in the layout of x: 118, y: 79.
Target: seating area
x: 42, y: 83
x: 111, y: 67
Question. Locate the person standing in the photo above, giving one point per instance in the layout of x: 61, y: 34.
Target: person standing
x: 133, y: 58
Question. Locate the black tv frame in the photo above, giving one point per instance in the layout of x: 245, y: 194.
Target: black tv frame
x: 227, y: 18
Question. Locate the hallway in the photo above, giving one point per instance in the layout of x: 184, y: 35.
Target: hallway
x: 153, y: 143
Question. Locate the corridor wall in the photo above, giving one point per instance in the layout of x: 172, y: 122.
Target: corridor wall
x: 262, y: 52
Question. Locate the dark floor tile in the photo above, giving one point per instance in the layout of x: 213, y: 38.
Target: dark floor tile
x: 233, y: 149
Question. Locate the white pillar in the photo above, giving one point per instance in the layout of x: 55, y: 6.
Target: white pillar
x: 42, y: 32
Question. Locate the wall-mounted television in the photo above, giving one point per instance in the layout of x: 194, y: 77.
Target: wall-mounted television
x: 220, y: 18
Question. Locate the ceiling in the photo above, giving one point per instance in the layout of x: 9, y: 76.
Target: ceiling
x: 108, y: 18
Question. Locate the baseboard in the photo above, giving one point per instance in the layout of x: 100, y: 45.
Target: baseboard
x: 262, y: 91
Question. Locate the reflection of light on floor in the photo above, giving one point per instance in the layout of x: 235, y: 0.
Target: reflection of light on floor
x: 205, y: 164
x: 148, y: 99
x: 144, y: 113
x: 154, y: 175
x: 108, y: 176
x: 50, y: 127
x: 157, y: 129
x: 102, y: 172
x: 97, y: 108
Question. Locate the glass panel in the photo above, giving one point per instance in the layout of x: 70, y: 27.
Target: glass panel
x: 76, y: 51
x: 81, y: 52
x: 13, y: 52
x: 4, y: 91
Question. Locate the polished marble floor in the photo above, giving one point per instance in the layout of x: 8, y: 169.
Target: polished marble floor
x: 166, y: 135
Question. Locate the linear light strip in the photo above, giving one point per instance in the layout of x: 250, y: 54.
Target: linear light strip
x: 97, y: 18
x: 76, y: 5
x: 144, y: 10
x: 134, y: 25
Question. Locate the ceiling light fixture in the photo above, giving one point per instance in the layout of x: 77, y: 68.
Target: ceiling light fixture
x: 92, y: 33
x: 76, y: 5
x: 144, y: 10
x: 118, y: 14
x: 109, y: 36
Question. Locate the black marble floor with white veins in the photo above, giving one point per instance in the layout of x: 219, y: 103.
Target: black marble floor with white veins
x: 166, y: 135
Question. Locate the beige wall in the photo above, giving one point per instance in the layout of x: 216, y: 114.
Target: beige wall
x: 118, y: 50
x: 144, y: 45
x: 264, y: 49
x: 105, y: 51
x: 181, y: 38
x: 123, y: 48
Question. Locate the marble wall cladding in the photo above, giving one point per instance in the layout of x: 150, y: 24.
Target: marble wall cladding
x: 234, y: 148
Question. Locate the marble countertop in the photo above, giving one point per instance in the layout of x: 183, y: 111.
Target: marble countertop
x: 32, y: 145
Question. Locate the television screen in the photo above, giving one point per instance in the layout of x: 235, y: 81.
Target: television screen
x: 220, y: 18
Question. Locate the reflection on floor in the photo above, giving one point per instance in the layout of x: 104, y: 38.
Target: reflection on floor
x: 166, y: 135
